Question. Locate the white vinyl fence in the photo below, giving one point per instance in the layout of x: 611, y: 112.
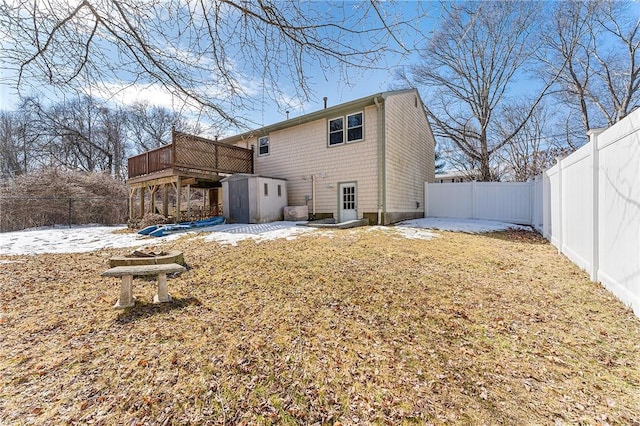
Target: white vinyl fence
x: 587, y: 205
x: 592, y: 204
x: 511, y: 202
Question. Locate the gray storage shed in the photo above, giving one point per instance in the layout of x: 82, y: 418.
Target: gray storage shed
x: 251, y: 198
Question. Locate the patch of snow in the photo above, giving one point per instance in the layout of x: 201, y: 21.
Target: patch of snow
x: 326, y: 233
x: 233, y: 233
x: 460, y: 225
x: 77, y: 239
x: 412, y: 233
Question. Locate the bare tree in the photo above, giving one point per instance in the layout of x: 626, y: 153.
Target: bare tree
x: 440, y: 164
x: 13, y: 155
x: 81, y: 133
x: 593, y: 46
x: 469, y: 65
x: 150, y: 126
x: 73, y: 134
x: 616, y: 48
x: 114, y: 133
x: 567, y: 38
x: 462, y: 165
x: 19, y: 143
x: 210, y: 54
x: 534, y: 148
x: 74, y: 127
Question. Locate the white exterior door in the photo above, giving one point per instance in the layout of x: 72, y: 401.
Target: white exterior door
x: 348, y: 202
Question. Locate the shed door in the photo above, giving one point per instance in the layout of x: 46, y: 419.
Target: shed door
x: 348, y: 202
x: 239, y: 201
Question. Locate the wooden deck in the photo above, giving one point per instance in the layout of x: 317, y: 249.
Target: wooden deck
x: 188, y: 162
x: 189, y: 157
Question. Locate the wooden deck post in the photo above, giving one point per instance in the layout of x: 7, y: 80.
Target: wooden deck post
x: 178, y: 199
x: 132, y: 193
x: 142, y: 201
x: 188, y: 202
x: 165, y: 200
x: 205, y: 200
x: 213, y: 201
x: 154, y: 191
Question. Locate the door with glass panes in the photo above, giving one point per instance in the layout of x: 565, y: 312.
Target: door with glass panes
x: 348, y: 201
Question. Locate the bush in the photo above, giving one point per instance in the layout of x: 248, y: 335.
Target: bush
x: 62, y: 197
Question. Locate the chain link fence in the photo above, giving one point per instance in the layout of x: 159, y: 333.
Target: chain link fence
x: 17, y: 213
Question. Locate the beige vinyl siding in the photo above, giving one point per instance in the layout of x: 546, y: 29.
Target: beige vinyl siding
x: 409, y: 153
x: 297, y: 153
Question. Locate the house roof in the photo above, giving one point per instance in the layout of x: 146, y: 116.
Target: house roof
x: 329, y: 112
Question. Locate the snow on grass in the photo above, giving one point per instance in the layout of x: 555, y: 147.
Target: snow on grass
x: 76, y: 239
x: 233, y: 233
x: 409, y: 232
x: 460, y: 225
x: 80, y: 239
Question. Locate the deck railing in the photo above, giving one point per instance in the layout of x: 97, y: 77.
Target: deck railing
x: 151, y: 161
x: 192, y: 153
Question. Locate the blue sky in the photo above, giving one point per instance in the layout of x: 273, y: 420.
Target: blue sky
x: 341, y: 86
x: 337, y: 84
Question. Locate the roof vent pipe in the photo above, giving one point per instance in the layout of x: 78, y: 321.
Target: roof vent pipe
x: 325, y: 102
x: 287, y: 114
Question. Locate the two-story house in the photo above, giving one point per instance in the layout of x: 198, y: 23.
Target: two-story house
x: 368, y: 158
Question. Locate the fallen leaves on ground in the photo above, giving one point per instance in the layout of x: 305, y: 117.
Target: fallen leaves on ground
x: 347, y: 327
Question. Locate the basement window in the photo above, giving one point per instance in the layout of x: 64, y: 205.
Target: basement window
x: 263, y: 146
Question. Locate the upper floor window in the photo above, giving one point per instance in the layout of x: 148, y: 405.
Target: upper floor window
x: 353, y: 131
x: 263, y: 145
x: 354, y: 127
x: 336, y: 131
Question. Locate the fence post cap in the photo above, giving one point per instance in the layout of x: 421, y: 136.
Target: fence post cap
x: 596, y: 131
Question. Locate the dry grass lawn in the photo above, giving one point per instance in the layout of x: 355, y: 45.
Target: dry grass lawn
x: 361, y: 326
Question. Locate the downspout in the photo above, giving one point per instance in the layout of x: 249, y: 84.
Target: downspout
x: 313, y: 195
x: 381, y: 159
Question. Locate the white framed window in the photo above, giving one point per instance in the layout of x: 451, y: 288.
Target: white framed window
x: 263, y: 146
x: 355, y: 128
x: 266, y: 189
x: 349, y: 128
x: 336, y: 131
